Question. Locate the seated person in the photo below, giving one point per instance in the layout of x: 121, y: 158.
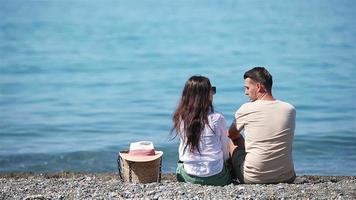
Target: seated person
x: 203, y: 147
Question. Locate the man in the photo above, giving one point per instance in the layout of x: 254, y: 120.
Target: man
x: 264, y: 154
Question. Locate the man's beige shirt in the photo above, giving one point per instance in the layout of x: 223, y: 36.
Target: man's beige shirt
x: 268, y: 127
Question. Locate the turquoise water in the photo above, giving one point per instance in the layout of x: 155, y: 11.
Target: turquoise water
x: 81, y: 80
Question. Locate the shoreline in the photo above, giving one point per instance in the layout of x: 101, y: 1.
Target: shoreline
x: 78, y: 185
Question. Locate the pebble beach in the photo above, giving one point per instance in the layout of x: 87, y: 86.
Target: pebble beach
x: 65, y: 185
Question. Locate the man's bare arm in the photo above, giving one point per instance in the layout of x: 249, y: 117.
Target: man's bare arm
x: 236, y: 137
x: 234, y: 134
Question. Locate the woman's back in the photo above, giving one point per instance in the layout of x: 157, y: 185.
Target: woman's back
x: 213, y: 147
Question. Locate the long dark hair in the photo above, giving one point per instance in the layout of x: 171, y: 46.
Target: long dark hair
x: 192, y: 111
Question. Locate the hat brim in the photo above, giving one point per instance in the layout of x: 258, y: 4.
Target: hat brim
x: 124, y: 155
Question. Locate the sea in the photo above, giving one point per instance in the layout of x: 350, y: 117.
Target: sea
x: 81, y: 80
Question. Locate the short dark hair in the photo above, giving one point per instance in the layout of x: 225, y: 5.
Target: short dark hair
x: 260, y: 75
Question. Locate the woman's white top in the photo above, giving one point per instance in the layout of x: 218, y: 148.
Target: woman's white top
x: 213, y: 147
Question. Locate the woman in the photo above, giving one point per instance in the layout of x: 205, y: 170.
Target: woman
x: 203, y: 147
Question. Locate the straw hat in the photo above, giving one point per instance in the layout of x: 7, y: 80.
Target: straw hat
x: 142, y: 151
x: 141, y: 163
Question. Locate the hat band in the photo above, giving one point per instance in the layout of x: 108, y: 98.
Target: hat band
x: 140, y: 152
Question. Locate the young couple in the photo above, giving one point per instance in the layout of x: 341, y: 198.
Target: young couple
x: 211, y: 154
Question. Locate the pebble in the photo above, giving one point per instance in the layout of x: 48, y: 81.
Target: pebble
x: 35, y: 197
x: 107, y: 186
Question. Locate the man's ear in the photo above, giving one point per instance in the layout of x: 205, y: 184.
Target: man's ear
x: 260, y: 88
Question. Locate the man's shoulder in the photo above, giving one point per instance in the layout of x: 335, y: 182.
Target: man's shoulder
x: 244, y: 106
x: 260, y: 105
x: 248, y: 105
x: 286, y: 105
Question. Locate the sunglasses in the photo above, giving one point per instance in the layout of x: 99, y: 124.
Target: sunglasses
x: 213, y: 89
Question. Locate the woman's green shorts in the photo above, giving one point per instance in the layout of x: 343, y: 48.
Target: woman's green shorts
x: 221, y: 179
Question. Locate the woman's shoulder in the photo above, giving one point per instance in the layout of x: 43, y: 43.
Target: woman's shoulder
x: 216, y: 116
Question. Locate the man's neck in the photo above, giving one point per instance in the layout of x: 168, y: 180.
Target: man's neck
x: 266, y: 97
